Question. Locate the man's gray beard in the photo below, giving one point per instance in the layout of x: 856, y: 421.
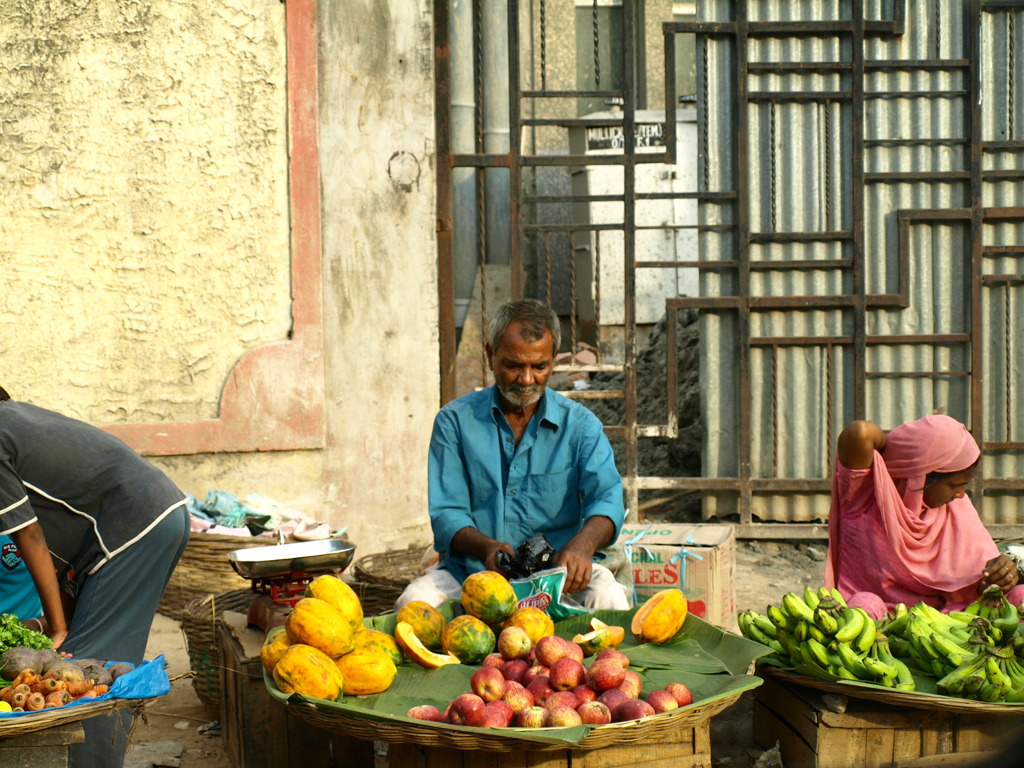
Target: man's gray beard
x: 522, y: 397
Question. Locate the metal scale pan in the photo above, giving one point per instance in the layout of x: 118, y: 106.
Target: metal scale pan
x: 284, y: 560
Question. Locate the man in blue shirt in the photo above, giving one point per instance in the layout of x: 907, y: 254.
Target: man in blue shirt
x: 18, y: 594
x: 516, y: 459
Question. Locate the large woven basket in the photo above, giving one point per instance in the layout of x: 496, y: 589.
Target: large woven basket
x: 24, y: 724
x: 430, y: 734
x: 204, y: 570
x: 199, y: 620
x: 394, y: 568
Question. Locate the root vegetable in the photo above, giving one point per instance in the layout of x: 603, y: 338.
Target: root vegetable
x: 35, y: 701
x: 57, y: 699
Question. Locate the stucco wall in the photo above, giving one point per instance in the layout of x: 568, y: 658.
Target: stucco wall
x: 148, y: 239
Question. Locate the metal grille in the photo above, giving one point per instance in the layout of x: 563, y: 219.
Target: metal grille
x: 858, y: 210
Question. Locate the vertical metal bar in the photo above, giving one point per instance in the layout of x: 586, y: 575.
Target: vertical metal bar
x: 445, y: 226
x: 974, y: 25
x: 630, y: 26
x: 671, y: 105
x: 515, y: 171
x: 743, y: 263
x: 857, y: 205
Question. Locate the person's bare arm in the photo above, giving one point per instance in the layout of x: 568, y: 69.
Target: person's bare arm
x: 469, y: 541
x: 36, y: 554
x: 1000, y: 571
x: 857, y: 444
x: 578, y: 553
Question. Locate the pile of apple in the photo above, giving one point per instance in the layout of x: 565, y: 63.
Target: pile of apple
x: 546, y: 685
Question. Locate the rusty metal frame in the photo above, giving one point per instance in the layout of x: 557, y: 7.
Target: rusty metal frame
x: 743, y: 303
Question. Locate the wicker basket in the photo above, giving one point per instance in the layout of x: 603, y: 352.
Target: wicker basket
x: 394, y: 568
x: 26, y: 723
x: 199, y: 620
x: 376, y: 599
x: 204, y: 570
x: 430, y: 734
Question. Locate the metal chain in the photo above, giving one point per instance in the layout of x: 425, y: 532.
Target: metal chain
x: 597, y: 50
x: 938, y: 29
x: 572, y: 297
x: 1010, y: 24
x: 1008, y: 366
x: 775, y: 409
x: 828, y: 166
x: 704, y: 114
x: 543, y: 47
x: 547, y: 266
x: 481, y: 200
x: 597, y: 290
x: 771, y: 152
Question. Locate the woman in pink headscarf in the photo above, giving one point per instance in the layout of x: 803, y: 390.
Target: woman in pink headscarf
x: 901, y: 528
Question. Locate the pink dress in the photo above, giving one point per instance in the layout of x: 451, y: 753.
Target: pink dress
x: 886, y: 547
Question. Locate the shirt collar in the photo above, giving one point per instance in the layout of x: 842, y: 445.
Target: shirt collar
x: 549, y: 411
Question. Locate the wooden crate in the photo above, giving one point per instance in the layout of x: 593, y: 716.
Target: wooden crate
x: 685, y: 748
x: 872, y: 735
x: 258, y: 730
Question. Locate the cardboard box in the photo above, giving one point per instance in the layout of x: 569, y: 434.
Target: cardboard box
x: 872, y: 734
x: 698, y: 559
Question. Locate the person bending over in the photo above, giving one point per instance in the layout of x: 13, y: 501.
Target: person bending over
x: 901, y: 528
x: 516, y: 459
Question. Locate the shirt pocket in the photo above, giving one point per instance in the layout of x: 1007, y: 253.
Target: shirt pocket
x: 552, y: 499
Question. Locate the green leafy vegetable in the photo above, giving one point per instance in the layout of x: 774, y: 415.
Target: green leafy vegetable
x: 13, y: 634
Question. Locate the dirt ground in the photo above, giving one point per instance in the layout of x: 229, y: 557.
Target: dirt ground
x: 181, y: 733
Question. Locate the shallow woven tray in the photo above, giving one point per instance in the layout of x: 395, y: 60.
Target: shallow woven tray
x: 427, y: 734
x: 204, y: 570
x: 394, y: 568
x: 199, y: 620
x: 10, y: 727
x: 892, y: 696
x: 376, y: 599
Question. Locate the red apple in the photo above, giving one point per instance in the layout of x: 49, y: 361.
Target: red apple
x: 426, y: 712
x: 612, y: 698
x: 632, y: 684
x: 584, y: 693
x: 681, y: 692
x: 606, y: 674
x: 514, y: 643
x: 488, y: 683
x: 614, y: 654
x: 550, y: 649
x: 492, y: 660
x: 594, y: 713
x: 565, y: 674
x: 467, y: 709
x: 540, y: 688
x: 514, y: 669
x: 634, y: 709
x: 662, y: 701
x: 506, y: 711
x: 532, y: 717
x: 518, y: 698
x: 537, y: 670
x: 563, y: 717
x: 562, y: 699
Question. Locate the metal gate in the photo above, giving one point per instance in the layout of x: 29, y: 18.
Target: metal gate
x: 853, y: 231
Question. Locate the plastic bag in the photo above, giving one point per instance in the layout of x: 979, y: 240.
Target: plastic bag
x: 543, y: 589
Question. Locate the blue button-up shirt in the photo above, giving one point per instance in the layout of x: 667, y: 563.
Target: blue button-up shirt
x: 561, y: 474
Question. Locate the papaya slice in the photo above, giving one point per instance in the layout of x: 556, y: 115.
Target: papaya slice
x: 600, y: 637
x: 660, y: 618
x: 414, y: 648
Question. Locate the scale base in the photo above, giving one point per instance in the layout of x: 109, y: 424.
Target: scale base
x: 267, y: 614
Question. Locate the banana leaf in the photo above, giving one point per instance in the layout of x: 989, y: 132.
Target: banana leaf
x: 712, y: 663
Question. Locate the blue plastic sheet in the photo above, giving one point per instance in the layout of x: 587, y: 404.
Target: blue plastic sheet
x: 146, y: 681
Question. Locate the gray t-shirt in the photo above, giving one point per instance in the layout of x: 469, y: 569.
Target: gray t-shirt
x: 92, y: 494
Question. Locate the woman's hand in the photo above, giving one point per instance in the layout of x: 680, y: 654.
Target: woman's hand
x: 1000, y: 571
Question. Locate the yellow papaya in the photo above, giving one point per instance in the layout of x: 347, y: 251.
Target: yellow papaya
x: 427, y: 622
x: 274, y: 645
x: 600, y: 637
x: 468, y: 638
x: 339, y: 595
x: 660, y: 618
x: 488, y: 596
x: 381, y: 641
x: 309, y: 671
x: 414, y: 649
x: 535, y: 621
x: 314, y: 622
x: 366, y: 670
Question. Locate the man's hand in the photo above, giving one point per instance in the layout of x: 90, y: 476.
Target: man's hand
x: 469, y: 541
x: 1000, y: 571
x: 578, y: 553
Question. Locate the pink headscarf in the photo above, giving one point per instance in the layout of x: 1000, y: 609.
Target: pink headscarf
x: 943, y: 548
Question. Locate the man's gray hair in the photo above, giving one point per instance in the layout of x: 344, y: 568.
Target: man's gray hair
x: 535, y: 316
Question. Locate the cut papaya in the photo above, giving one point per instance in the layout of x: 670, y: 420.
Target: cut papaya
x: 660, y: 618
x: 413, y: 648
x: 600, y: 637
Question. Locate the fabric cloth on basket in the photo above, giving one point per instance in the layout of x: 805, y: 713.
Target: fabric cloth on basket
x: 886, y: 547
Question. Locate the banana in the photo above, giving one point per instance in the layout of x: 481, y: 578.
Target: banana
x: 838, y: 597
x: 817, y: 634
x: 817, y: 652
x: 904, y: 679
x: 824, y: 592
x: 795, y: 606
x: 779, y: 618
x: 846, y: 674
x: 990, y: 692
x: 898, y: 624
x: 923, y: 644
x: 863, y: 642
x: 995, y: 673
x: 852, y: 662
x: 765, y: 624
x: 962, y: 616
x: 955, y: 654
x: 1013, y: 670
x: 800, y: 631
x: 879, y: 669
x: 754, y: 633
x: 973, y: 683
x: 825, y: 621
x: 956, y: 679
x: 811, y: 597
x: 742, y: 619
x: 854, y: 624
